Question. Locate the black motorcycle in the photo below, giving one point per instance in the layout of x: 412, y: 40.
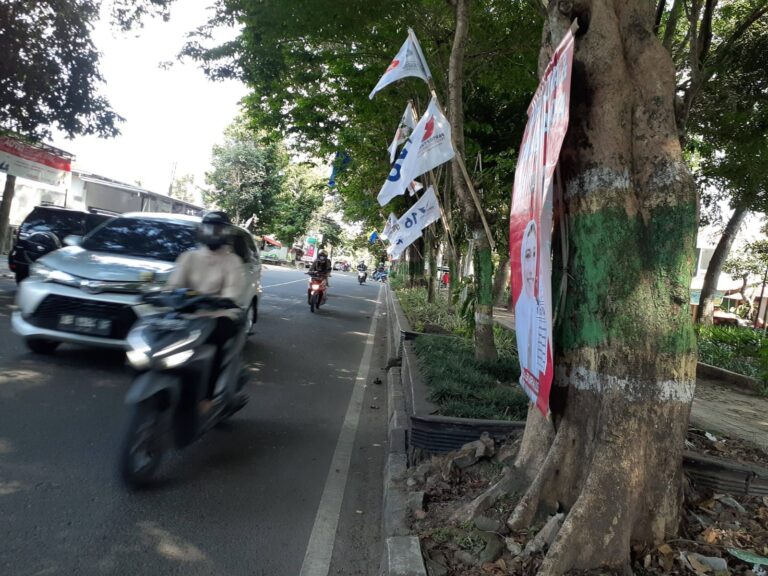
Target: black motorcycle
x: 362, y: 276
x: 169, y: 348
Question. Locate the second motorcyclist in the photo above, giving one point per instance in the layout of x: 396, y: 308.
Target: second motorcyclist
x: 322, y: 266
x: 363, y: 269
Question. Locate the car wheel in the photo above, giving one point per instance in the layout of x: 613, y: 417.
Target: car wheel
x: 41, y: 346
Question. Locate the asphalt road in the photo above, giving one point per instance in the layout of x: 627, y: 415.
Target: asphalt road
x: 243, y: 500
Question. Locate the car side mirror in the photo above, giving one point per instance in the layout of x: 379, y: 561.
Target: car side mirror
x: 73, y: 240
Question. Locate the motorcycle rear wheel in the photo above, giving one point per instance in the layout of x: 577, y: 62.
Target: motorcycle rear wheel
x: 142, y: 449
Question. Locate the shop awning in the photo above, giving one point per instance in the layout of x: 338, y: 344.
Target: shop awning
x: 272, y: 241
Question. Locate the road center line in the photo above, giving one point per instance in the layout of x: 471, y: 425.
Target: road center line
x: 284, y: 283
x: 317, y: 559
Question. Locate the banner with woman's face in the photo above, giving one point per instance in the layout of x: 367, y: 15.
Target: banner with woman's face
x: 530, y: 231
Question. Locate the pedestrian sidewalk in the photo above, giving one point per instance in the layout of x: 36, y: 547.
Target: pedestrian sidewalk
x: 717, y: 406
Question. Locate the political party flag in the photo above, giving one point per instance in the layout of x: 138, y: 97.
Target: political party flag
x: 403, y: 131
x: 531, y: 224
x: 409, y: 226
x: 373, y: 237
x: 429, y: 146
x: 409, y: 61
x: 390, y: 226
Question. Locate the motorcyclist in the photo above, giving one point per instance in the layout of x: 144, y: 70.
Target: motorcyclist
x: 214, y: 269
x: 361, y: 267
x: 322, y: 266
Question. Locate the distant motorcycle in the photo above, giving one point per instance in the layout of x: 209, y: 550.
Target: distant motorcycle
x: 169, y: 348
x: 380, y: 276
x: 316, y: 291
x: 362, y: 275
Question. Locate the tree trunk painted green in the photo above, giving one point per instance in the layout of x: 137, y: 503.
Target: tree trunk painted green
x: 483, y: 262
x: 501, y: 282
x: 610, y: 457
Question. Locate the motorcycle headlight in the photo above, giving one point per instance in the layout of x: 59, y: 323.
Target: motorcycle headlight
x: 43, y: 273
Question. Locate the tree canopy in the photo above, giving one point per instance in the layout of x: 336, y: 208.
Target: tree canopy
x: 49, y: 73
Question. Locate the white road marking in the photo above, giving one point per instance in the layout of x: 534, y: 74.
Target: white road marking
x: 284, y: 283
x: 317, y: 559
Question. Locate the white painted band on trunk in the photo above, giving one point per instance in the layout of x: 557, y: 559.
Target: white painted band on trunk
x: 317, y: 559
x: 634, y: 389
x: 482, y: 318
x: 595, y: 179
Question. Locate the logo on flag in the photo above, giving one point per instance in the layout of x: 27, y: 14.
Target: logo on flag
x: 428, y: 147
x: 409, y: 61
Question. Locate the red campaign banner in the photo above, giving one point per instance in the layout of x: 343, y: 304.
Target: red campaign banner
x: 530, y: 229
x: 27, y: 152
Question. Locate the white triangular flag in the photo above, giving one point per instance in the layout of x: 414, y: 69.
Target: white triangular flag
x: 428, y: 147
x: 409, y: 226
x: 414, y: 187
x: 409, y: 61
x: 389, y: 226
x: 404, y: 130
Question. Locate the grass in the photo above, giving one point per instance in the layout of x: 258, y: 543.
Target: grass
x: 464, y: 387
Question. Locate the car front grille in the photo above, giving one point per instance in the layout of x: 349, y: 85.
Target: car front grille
x: 48, y: 314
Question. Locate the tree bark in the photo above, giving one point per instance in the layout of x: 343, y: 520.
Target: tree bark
x: 5, y: 209
x: 625, y: 350
x: 706, y: 310
x: 430, y: 245
x: 485, y: 347
x: 500, y: 284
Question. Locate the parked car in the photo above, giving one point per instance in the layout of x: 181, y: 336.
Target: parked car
x: 88, y: 293
x: 44, y: 230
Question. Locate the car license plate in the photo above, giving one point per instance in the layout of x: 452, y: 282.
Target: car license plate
x: 85, y: 324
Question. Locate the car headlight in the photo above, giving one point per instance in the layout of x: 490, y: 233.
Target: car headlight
x: 43, y: 273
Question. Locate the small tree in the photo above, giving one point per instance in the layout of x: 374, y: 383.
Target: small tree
x: 183, y: 188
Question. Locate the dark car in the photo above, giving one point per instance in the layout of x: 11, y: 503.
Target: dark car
x: 44, y: 230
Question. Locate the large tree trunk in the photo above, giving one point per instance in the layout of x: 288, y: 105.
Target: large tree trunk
x: 624, y: 345
x: 500, y: 283
x: 5, y: 209
x: 485, y: 347
x: 706, y: 310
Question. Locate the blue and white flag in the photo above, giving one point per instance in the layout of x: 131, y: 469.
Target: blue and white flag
x: 374, y: 236
x: 409, y: 226
x: 429, y: 146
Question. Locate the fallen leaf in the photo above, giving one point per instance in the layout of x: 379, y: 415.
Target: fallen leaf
x: 710, y: 535
x: 665, y: 549
x: 697, y: 566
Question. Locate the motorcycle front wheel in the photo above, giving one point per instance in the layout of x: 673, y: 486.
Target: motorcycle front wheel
x: 143, y: 445
x: 314, y: 301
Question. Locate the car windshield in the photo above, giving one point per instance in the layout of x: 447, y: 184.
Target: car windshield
x: 60, y: 222
x: 156, y: 239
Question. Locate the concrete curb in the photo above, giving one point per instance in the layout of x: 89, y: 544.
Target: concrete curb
x: 728, y: 377
x: 401, y: 554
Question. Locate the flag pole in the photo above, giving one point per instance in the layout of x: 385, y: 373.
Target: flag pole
x: 460, y: 159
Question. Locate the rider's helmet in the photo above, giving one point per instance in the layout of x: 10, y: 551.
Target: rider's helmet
x: 215, y: 230
x: 322, y: 256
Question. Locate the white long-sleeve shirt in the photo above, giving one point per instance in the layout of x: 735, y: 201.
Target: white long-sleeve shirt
x: 216, y: 273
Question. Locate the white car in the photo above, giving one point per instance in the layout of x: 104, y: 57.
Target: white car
x: 87, y: 292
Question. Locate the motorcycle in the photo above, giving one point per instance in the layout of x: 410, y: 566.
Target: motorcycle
x: 169, y: 349
x: 380, y: 276
x: 316, y: 292
x: 362, y: 275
